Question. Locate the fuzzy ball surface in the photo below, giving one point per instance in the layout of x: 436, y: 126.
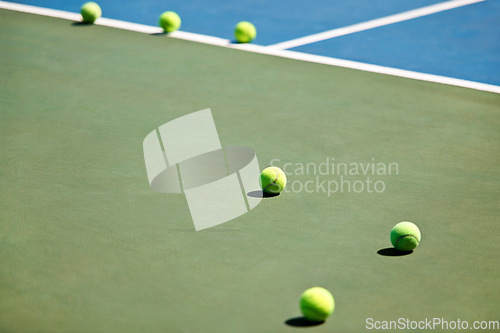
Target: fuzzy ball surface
x: 272, y: 180
x: 169, y: 21
x: 405, y: 236
x: 90, y: 12
x: 317, y: 304
x: 245, y: 32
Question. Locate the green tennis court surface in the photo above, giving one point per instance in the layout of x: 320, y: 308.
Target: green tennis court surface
x: 87, y: 246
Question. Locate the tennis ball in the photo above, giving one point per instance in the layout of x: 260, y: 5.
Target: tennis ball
x: 169, y: 21
x: 317, y: 304
x: 90, y: 12
x: 405, y: 236
x: 245, y: 32
x: 272, y: 180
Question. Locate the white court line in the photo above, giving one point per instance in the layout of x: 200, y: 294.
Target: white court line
x: 147, y: 29
x: 369, y: 67
x: 257, y: 48
x: 404, y: 16
x: 40, y: 11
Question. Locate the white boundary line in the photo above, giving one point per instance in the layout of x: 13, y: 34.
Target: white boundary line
x: 40, y: 11
x: 257, y: 48
x: 370, y: 68
x: 404, y: 16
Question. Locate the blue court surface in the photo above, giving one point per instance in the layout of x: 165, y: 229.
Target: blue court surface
x: 461, y: 42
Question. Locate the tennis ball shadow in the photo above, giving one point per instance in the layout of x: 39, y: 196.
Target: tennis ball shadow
x: 262, y: 194
x: 81, y: 24
x: 302, y: 322
x: 234, y: 41
x: 392, y: 252
x: 159, y: 34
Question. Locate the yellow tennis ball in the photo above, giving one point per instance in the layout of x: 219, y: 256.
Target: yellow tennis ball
x: 272, y: 180
x: 317, y: 304
x: 90, y: 12
x: 405, y: 236
x: 169, y: 21
x: 245, y: 32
